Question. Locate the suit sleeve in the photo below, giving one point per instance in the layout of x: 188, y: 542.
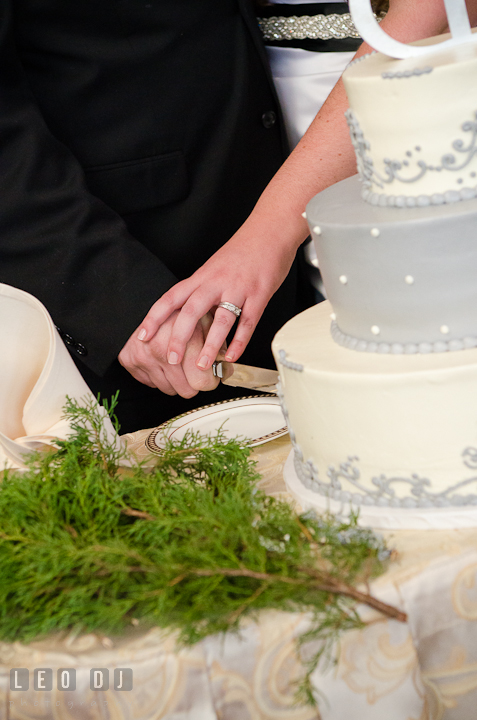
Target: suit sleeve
x: 59, y: 242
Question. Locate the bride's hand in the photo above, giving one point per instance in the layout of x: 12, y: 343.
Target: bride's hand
x: 246, y: 272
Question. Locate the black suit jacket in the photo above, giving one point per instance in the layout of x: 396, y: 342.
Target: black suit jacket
x: 135, y: 138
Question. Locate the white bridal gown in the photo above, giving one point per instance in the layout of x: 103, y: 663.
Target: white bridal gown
x: 304, y: 79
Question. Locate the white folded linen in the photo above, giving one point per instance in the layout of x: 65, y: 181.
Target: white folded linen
x: 36, y: 375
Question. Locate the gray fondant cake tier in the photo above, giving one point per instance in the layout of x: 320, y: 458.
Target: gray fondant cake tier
x: 399, y: 280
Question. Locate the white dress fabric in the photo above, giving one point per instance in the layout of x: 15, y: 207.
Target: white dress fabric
x: 303, y: 80
x: 36, y: 376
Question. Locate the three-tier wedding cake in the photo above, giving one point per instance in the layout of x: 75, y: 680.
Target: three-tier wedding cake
x: 379, y: 383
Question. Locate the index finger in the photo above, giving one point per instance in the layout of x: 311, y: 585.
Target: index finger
x: 197, y: 378
x: 162, y: 309
x: 193, y: 311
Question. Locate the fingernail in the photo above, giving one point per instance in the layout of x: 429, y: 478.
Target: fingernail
x: 203, y: 362
x: 173, y: 358
x: 142, y: 334
x: 230, y: 358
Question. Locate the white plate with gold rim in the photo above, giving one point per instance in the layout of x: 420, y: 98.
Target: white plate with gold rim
x: 256, y: 419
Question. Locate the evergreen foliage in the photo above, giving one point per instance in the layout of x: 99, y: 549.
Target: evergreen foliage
x: 190, y: 544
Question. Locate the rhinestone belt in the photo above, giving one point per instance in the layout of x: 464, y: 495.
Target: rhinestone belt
x: 313, y: 27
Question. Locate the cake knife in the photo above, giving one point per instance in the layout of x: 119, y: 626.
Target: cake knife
x: 246, y: 376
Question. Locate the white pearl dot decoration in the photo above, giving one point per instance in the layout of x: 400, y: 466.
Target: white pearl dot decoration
x: 303, y: 215
x: 333, y: 316
x: 317, y: 230
x: 375, y: 330
x: 445, y: 329
x: 343, y: 279
x: 409, y: 280
x: 375, y: 232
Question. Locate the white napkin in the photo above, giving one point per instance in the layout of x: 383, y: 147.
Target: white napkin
x: 36, y: 375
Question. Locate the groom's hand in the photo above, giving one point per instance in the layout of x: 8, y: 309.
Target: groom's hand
x: 147, y: 361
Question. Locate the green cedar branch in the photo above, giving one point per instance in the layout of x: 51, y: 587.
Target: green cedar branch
x: 190, y: 544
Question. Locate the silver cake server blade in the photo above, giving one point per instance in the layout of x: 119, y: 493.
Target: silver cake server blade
x: 246, y: 376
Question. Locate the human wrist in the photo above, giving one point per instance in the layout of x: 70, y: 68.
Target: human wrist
x: 277, y: 226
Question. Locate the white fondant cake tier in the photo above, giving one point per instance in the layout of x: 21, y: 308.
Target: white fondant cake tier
x: 413, y: 125
x: 401, y: 281
x: 378, y: 430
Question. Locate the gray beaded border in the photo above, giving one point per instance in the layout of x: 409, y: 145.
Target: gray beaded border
x: 407, y: 73
x: 360, y: 59
x: 423, y: 348
x: 282, y: 357
x: 412, y: 201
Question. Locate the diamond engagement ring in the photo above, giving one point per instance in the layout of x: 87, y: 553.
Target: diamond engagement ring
x: 230, y: 306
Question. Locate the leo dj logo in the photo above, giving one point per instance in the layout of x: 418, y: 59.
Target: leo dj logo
x: 66, y: 679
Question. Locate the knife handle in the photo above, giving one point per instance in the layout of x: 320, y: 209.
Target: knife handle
x: 218, y: 369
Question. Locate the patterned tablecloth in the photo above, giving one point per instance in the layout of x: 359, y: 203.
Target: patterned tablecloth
x: 425, y: 669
